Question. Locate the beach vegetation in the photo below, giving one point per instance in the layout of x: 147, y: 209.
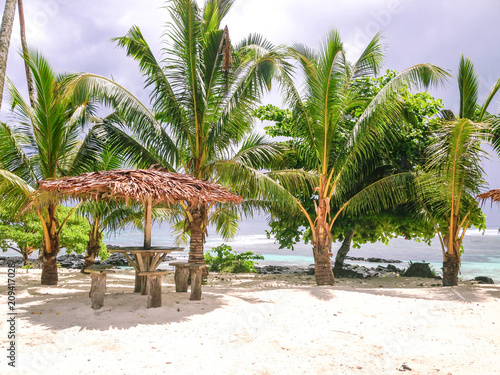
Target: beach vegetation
x: 203, y: 93
x: 44, y: 141
x: 406, y: 153
x: 224, y: 259
x: 24, y: 233
x: 454, y: 175
x: 343, y: 154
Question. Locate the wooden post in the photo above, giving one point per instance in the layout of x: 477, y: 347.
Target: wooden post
x: 154, y: 295
x: 181, y: 277
x: 144, y: 285
x: 97, y: 288
x: 138, y: 283
x: 196, y: 276
x: 148, y: 207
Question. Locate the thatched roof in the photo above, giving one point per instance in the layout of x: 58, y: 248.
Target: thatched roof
x: 494, y: 195
x: 139, y: 184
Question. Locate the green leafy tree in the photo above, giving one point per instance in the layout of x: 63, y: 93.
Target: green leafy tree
x: 406, y: 153
x: 44, y: 142
x: 25, y: 234
x: 343, y: 156
x: 454, y: 175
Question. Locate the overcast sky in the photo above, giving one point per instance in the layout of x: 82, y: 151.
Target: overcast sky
x: 75, y: 36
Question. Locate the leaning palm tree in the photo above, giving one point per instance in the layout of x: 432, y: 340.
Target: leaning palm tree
x: 5, y: 35
x: 43, y: 142
x: 454, y: 175
x: 343, y: 154
x: 203, y: 93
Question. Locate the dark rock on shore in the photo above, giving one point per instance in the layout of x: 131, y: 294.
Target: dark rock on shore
x: 419, y: 270
x: 12, y: 262
x: 277, y: 270
x: 374, y: 260
x: 361, y: 272
x: 349, y: 271
x: 484, y: 280
x: 71, y: 261
x: 116, y: 259
x: 382, y: 260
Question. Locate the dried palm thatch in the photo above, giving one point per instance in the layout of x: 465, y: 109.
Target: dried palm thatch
x: 148, y: 186
x: 140, y: 185
x: 494, y: 195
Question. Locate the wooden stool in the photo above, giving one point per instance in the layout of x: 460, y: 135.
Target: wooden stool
x: 182, y: 273
x: 153, y: 287
x: 98, y: 284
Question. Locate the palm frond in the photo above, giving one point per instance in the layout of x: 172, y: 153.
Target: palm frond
x: 468, y: 84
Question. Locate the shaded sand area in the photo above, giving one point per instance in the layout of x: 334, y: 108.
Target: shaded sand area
x: 254, y: 324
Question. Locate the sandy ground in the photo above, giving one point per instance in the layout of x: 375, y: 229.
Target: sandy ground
x: 253, y: 324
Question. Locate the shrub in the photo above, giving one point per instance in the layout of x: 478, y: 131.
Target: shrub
x: 227, y: 260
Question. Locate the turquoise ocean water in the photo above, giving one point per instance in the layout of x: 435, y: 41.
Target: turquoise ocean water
x: 481, y: 257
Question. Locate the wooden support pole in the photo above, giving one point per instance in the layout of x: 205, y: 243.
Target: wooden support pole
x: 154, y: 294
x: 181, y: 277
x: 144, y: 285
x: 196, y: 276
x: 97, y: 289
x: 138, y: 283
x: 148, y: 208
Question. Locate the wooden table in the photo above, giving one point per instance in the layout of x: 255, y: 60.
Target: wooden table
x: 145, y: 263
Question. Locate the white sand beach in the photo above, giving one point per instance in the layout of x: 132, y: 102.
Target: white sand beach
x: 254, y: 324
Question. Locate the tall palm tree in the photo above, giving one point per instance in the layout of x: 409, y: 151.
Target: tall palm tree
x: 454, y: 175
x: 24, y: 45
x: 344, y: 154
x: 5, y: 35
x: 44, y: 143
x: 203, y: 93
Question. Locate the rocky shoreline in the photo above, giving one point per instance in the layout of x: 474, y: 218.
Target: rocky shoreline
x: 352, y: 271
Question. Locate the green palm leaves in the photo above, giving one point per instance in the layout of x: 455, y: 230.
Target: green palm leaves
x: 343, y: 150
x: 45, y: 140
x: 454, y: 175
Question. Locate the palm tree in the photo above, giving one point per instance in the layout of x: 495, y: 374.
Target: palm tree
x: 44, y: 143
x: 5, y: 35
x: 24, y: 44
x: 343, y: 154
x: 110, y: 215
x: 203, y: 93
x: 99, y: 214
x: 454, y: 175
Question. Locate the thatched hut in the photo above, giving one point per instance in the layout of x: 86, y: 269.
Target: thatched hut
x: 148, y: 186
x: 494, y: 195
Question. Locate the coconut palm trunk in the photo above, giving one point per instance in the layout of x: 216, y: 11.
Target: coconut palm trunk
x: 5, y: 35
x: 93, y: 246
x: 24, y: 44
x: 322, y: 245
x: 50, y: 248
x: 451, y: 266
x: 197, y: 229
x: 451, y: 259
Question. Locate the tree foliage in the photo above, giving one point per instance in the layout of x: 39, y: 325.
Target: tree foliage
x: 405, y: 153
x: 227, y: 260
x: 24, y: 234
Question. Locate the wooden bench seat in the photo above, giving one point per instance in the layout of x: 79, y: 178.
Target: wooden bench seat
x: 153, y: 280
x: 184, y: 270
x: 98, y: 274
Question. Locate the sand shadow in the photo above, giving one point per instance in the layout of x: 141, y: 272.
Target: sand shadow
x: 466, y: 294
x: 68, y: 305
